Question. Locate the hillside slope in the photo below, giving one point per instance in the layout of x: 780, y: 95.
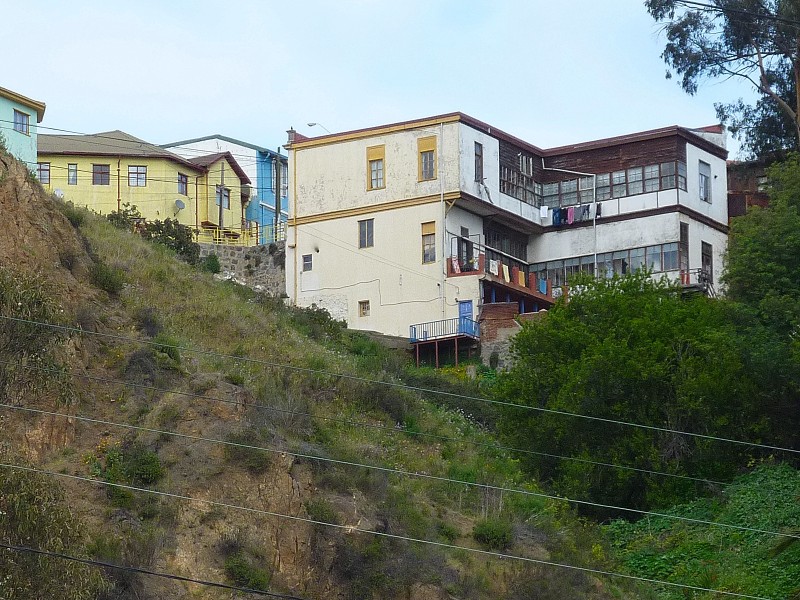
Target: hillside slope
x: 253, y: 424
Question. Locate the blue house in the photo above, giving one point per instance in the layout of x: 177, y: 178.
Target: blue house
x: 260, y: 165
x: 18, y: 119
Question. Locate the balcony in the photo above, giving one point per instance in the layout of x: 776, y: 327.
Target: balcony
x: 444, y: 334
x: 504, y: 275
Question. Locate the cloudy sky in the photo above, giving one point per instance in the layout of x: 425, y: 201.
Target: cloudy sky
x: 552, y: 73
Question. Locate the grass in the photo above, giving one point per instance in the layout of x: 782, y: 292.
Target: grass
x: 309, y: 413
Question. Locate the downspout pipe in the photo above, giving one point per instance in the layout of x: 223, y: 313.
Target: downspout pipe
x: 594, y: 201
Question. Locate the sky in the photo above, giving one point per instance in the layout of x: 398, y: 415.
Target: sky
x: 551, y: 73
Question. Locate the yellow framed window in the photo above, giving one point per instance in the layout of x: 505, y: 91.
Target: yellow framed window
x: 426, y: 148
x: 428, y: 242
x: 376, y: 157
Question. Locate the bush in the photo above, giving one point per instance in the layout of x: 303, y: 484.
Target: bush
x: 495, y: 534
x: 76, y: 216
x: 140, y: 465
x: 254, y: 460
x: 211, y: 264
x: 243, y: 573
x: 172, y: 234
x: 166, y: 344
x: 321, y: 510
x: 107, y: 278
x: 127, y: 217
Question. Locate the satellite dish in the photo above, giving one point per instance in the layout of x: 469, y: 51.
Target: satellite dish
x: 179, y: 204
x: 59, y: 194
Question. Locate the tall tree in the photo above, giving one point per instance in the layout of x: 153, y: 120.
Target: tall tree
x: 754, y: 40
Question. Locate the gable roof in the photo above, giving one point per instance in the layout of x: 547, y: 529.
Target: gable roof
x: 108, y: 143
x: 205, y: 162
x: 224, y: 138
x: 25, y: 101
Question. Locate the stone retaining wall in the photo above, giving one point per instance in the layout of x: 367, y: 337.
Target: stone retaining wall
x: 262, y: 268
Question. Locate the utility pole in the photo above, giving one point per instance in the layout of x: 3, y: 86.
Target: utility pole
x: 278, y: 169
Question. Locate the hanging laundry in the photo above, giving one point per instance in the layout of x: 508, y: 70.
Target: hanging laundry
x: 521, y: 278
x: 585, y: 212
x: 506, y: 274
x: 543, y: 286
x: 542, y: 213
x: 556, y: 216
x: 493, y: 268
x: 570, y: 215
x: 598, y: 210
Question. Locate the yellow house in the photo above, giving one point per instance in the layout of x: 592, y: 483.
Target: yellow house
x: 105, y: 171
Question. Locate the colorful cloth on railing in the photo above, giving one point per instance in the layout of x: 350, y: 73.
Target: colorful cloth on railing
x: 493, y: 268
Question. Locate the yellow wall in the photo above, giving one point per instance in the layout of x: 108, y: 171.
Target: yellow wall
x: 207, y: 193
x: 156, y: 200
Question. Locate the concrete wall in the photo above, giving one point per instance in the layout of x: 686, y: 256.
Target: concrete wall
x: 20, y: 145
x: 258, y: 267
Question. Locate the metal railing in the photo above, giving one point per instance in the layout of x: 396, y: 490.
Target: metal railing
x: 228, y: 236
x: 445, y: 328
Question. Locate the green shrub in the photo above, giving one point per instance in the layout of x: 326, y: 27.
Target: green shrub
x: 322, y: 510
x: 239, y: 569
x: 174, y: 235
x: 127, y: 217
x: 140, y: 465
x: 211, y: 264
x: 109, y: 279
x: 495, y: 534
x: 76, y: 216
x: 166, y: 344
x: 447, y: 531
x: 254, y: 460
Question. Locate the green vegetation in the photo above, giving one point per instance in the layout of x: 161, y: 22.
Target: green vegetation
x: 33, y: 513
x: 109, y: 279
x: 736, y: 561
x: 495, y: 534
x: 211, y: 264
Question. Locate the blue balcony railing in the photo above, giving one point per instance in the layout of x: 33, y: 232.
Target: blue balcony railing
x: 433, y: 330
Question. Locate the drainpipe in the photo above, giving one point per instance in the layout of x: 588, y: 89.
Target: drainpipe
x: 594, y: 201
x: 440, y: 158
x: 119, y: 191
x: 196, y: 207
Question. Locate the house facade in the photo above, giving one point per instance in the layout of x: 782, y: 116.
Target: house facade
x: 19, y: 117
x: 107, y: 170
x: 261, y: 166
x: 410, y: 228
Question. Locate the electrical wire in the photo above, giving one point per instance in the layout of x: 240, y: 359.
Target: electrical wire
x: 351, y: 529
x: 396, y: 385
x: 366, y: 425
x: 401, y: 472
x: 173, y: 576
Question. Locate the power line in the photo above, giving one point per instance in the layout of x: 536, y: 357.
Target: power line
x: 351, y: 529
x: 363, y: 424
x: 401, y: 472
x: 100, y: 563
x: 405, y: 386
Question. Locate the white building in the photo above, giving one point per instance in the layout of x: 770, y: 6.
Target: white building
x: 409, y: 228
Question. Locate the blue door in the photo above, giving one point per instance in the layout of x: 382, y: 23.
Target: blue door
x: 466, y: 326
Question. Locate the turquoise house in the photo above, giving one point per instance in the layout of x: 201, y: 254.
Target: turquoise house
x: 19, y: 117
x: 260, y: 164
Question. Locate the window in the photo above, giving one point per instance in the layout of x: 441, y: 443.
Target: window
x: 653, y: 258
x: 761, y: 183
x: 705, y: 181
x: 670, y: 257
x: 620, y: 262
x: 137, y: 176
x: 707, y: 260
x: 585, y: 187
x: 682, y: 176
x: 427, y: 158
x: 307, y: 262
x: 667, y: 175
x: 635, y: 181
x: 375, y: 164
x: 22, y: 122
x: 183, y: 184
x: 223, y: 194
x: 683, y: 248
x: 478, y: 162
x: 636, y: 259
x: 428, y: 242
x: 550, y: 194
x: 101, y: 174
x: 363, y: 308
x: 651, y: 178
x: 603, y: 187
x: 43, y: 173
x: 366, y: 233
x: 72, y: 174
x: 618, y: 189
x: 569, y: 192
